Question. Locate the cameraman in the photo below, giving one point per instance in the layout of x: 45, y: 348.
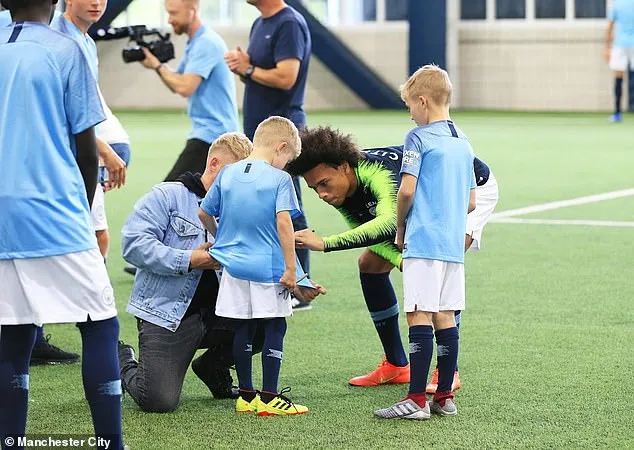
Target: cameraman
x: 204, y: 79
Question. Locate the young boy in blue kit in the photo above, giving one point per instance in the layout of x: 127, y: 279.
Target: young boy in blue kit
x: 255, y: 244
x: 437, y: 191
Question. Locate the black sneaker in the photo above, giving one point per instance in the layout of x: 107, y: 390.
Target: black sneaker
x: 216, y: 378
x: 126, y: 356
x: 126, y: 353
x: 130, y: 269
x: 46, y: 353
x: 299, y: 305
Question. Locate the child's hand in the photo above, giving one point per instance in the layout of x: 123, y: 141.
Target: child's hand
x: 288, y: 279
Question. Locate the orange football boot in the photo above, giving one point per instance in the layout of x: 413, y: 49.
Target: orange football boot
x: 385, y: 373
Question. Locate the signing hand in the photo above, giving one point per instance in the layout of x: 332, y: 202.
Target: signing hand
x: 306, y: 294
x: 238, y: 61
x: 308, y: 239
x: 150, y: 61
x: 201, y: 259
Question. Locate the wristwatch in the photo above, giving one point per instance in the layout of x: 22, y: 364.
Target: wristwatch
x: 249, y: 72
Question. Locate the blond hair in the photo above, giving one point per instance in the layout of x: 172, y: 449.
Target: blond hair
x: 237, y: 144
x: 276, y: 130
x: 431, y: 81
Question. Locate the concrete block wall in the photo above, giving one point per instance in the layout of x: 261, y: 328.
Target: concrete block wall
x: 534, y: 68
x: 528, y: 66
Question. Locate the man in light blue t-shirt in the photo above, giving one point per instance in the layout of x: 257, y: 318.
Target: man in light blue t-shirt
x: 202, y: 77
x: 619, y: 47
x: 51, y: 270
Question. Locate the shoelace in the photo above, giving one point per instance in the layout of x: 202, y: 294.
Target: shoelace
x: 285, y: 398
x: 48, y: 338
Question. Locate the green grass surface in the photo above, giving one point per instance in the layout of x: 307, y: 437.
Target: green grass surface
x: 546, y: 345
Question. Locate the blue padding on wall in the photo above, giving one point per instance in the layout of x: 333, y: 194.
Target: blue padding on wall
x: 347, y: 66
x: 427, y: 33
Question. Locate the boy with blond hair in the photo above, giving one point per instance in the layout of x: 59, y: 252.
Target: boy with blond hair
x: 436, y: 193
x: 255, y: 244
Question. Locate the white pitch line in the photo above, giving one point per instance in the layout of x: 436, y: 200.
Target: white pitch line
x: 564, y: 203
x: 587, y: 223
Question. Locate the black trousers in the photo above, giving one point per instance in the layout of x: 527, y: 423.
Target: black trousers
x: 192, y: 159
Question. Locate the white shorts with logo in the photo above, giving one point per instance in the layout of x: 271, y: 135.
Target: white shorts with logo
x: 621, y: 58
x: 55, y: 289
x: 430, y: 285
x: 486, y: 200
x: 242, y: 299
x: 98, y: 210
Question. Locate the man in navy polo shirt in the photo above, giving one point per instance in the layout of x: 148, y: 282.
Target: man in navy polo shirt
x: 274, y: 70
x: 202, y: 77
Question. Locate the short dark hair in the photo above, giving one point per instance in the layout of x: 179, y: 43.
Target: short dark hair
x: 324, y: 145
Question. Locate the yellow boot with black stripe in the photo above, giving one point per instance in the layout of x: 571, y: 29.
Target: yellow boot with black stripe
x: 279, y: 405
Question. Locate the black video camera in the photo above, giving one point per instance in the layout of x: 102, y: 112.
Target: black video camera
x: 161, y: 47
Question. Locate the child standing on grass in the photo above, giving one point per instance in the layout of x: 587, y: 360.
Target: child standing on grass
x: 437, y: 190
x: 255, y: 244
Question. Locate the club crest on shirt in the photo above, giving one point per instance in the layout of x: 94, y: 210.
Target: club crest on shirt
x: 371, y: 207
x: 107, y: 295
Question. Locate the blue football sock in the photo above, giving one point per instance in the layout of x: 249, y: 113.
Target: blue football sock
x: 380, y: 299
x: 618, y: 93
x: 243, y: 351
x: 458, y: 315
x: 447, y: 357
x: 421, y: 350
x: 39, y: 336
x: 16, y: 343
x: 102, y: 383
x: 272, y: 352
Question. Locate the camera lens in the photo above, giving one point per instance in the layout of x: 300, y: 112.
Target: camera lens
x: 132, y: 54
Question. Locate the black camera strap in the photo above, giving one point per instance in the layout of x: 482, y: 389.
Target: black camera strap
x: 16, y: 32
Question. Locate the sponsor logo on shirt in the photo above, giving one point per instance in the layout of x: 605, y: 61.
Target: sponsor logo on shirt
x: 410, y: 157
x: 383, y: 153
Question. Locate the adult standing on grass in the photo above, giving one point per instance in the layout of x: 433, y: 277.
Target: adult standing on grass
x: 50, y: 267
x: 274, y: 70
x: 203, y: 79
x: 619, y: 47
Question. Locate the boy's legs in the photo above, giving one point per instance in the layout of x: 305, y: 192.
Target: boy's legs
x: 100, y: 373
x: 16, y: 342
x: 274, y: 332
x: 242, y: 357
x: 382, y: 304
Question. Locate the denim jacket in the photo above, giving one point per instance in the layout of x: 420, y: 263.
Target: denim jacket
x: 158, y: 238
